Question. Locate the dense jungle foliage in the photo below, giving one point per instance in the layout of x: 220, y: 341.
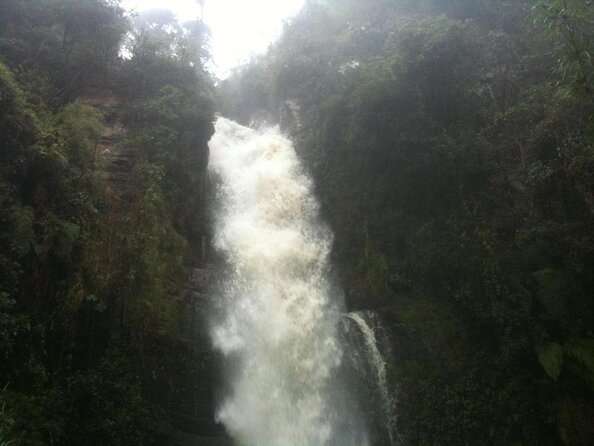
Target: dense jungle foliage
x: 452, y: 146
x: 87, y: 265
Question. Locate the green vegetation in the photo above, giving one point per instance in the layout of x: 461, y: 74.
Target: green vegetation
x: 87, y: 265
x: 452, y: 146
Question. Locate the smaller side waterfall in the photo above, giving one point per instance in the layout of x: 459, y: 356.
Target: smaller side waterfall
x: 360, y: 330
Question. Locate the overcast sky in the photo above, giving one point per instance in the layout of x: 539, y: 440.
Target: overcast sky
x: 240, y: 28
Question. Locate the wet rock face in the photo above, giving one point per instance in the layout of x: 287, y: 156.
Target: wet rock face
x: 290, y: 117
x: 185, y: 372
x: 116, y: 163
x: 180, y: 372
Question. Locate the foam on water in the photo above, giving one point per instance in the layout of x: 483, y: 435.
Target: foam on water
x: 279, y: 322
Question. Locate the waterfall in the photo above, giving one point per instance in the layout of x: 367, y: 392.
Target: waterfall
x: 278, y: 321
x: 374, y: 359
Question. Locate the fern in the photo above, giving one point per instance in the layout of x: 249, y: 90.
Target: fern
x: 6, y: 423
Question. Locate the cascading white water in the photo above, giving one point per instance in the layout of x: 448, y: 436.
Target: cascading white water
x: 279, y: 326
x: 378, y: 365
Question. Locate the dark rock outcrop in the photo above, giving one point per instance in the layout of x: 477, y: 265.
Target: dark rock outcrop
x: 186, y: 371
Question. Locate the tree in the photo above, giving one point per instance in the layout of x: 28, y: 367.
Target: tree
x: 569, y: 25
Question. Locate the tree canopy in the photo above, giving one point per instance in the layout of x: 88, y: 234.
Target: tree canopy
x: 451, y: 146
x: 88, y: 264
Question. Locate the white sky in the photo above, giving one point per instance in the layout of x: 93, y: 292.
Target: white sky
x: 240, y: 28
